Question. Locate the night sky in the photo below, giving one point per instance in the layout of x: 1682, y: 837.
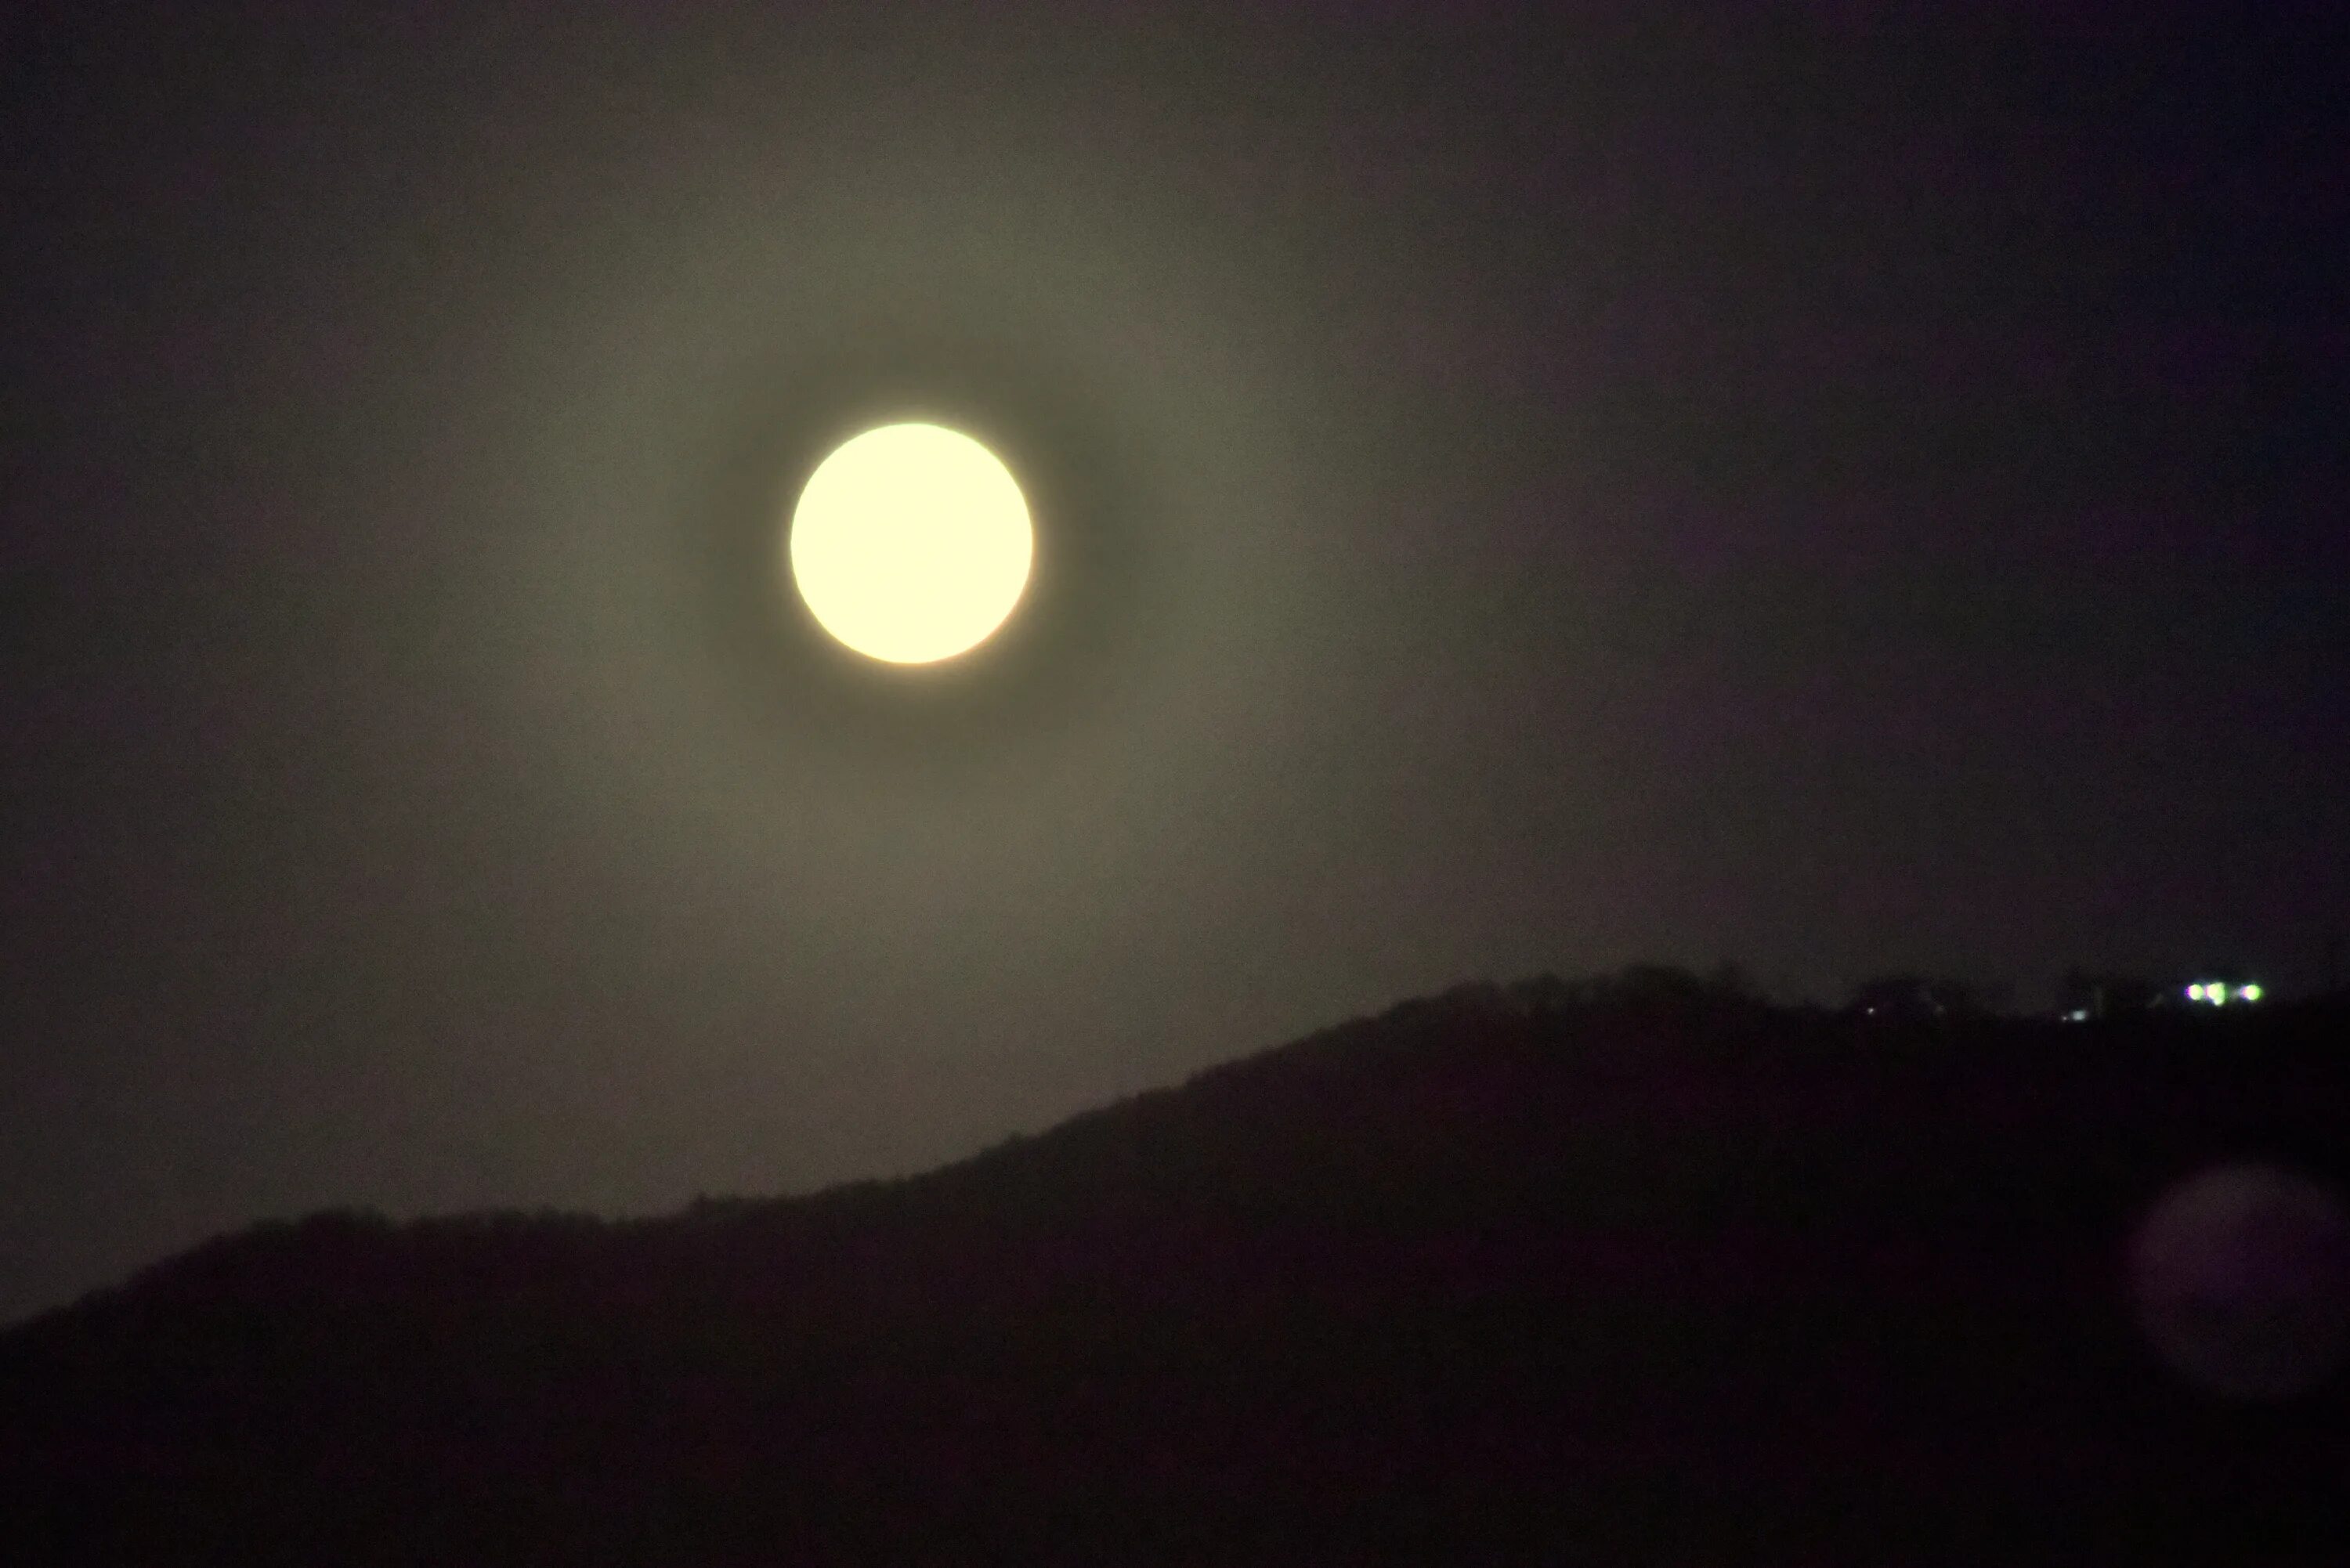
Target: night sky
x: 1843, y: 492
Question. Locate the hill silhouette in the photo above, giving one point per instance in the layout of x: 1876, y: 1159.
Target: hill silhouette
x: 1633, y: 1270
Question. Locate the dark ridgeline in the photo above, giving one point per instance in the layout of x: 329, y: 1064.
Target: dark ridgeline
x: 1639, y: 1271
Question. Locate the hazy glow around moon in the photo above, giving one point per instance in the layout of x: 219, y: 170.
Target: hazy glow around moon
x: 911, y: 543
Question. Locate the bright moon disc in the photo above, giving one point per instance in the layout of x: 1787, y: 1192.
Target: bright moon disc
x: 911, y: 543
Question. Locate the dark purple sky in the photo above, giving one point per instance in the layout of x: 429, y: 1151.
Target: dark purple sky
x: 1829, y: 492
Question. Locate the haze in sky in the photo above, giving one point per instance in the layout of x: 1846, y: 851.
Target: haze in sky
x: 1834, y: 492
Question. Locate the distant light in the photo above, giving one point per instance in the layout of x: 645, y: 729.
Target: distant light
x: 2078, y: 1015
x: 2194, y: 993
x: 2216, y: 995
x: 2249, y: 992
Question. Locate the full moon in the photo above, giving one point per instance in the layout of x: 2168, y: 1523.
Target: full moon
x: 911, y: 543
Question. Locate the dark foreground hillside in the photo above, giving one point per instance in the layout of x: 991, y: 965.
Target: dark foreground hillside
x: 1624, y: 1273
